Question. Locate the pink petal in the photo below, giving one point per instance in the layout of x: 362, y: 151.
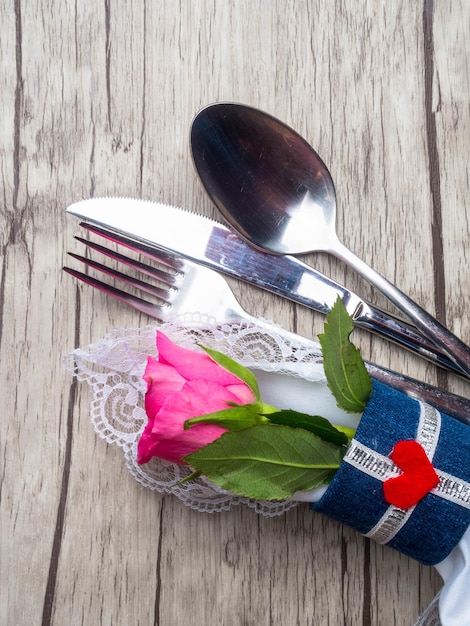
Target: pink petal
x: 191, y: 364
x: 147, y: 445
x: 162, y: 381
x: 242, y: 392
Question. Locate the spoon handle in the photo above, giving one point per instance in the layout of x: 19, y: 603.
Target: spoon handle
x: 440, y: 336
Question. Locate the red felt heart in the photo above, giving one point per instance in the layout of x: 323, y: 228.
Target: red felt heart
x: 418, y: 477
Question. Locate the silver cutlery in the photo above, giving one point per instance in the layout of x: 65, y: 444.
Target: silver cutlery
x: 275, y: 191
x: 207, y: 242
x: 190, y: 288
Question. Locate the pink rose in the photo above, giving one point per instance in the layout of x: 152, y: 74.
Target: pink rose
x: 183, y: 384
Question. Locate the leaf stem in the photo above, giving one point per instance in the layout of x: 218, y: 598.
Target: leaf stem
x: 349, y: 432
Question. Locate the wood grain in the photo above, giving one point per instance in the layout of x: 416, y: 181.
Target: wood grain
x: 97, y: 98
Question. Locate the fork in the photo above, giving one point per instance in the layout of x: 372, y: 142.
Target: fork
x: 191, y: 288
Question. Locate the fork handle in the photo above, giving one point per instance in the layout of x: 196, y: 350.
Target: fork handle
x: 446, y: 402
x: 402, y: 334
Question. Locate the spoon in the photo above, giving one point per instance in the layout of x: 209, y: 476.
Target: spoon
x: 275, y: 191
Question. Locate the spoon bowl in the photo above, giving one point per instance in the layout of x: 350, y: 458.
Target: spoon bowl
x: 290, y: 207
x: 276, y: 192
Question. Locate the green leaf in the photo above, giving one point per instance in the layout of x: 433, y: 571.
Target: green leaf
x: 235, y: 368
x: 268, y: 462
x: 235, y: 418
x: 345, y: 371
x: 314, y: 423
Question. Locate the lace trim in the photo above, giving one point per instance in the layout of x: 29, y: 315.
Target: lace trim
x: 430, y: 617
x: 114, y: 366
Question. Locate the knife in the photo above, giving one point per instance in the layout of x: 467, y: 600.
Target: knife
x: 209, y: 243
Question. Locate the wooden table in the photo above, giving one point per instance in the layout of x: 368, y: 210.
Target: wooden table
x: 97, y: 99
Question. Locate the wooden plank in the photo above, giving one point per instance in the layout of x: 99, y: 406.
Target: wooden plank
x: 97, y: 99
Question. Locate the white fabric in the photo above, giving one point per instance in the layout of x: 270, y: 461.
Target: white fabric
x: 455, y: 595
x: 289, y: 375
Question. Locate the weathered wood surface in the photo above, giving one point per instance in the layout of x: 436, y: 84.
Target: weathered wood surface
x: 97, y: 98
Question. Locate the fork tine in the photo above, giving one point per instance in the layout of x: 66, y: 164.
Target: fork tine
x: 163, y: 276
x: 152, y: 310
x: 165, y: 258
x: 163, y: 294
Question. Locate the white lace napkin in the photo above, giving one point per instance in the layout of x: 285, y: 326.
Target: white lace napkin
x: 114, y: 366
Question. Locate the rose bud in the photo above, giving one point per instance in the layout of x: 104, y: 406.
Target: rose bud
x: 183, y: 384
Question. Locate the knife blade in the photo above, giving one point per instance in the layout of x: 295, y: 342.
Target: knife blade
x: 209, y: 243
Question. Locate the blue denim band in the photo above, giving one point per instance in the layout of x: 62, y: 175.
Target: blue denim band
x: 429, y: 530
